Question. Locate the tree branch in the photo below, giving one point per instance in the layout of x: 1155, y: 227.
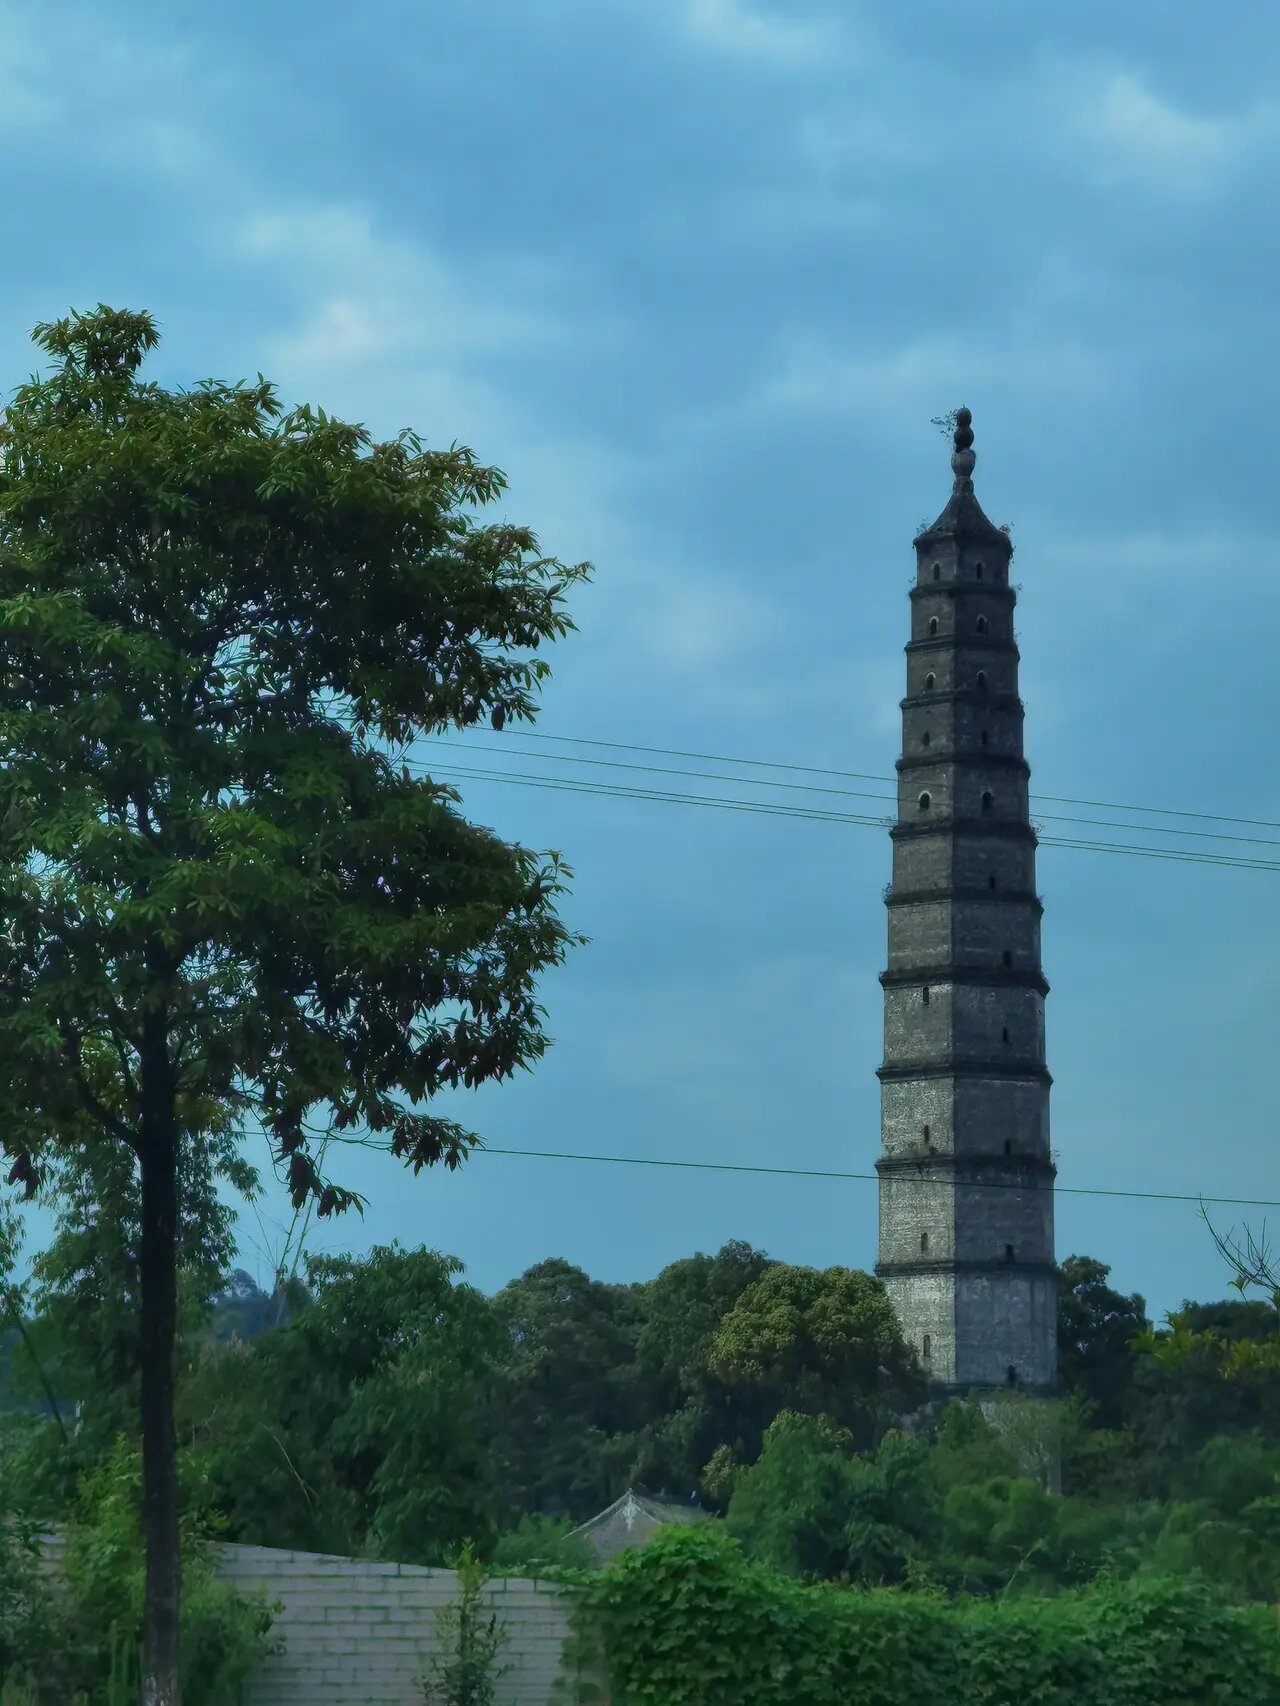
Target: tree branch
x: 89, y: 1101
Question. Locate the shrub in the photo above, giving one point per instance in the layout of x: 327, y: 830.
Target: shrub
x: 687, y: 1621
x: 98, y: 1611
x: 539, y: 1545
x: 465, y: 1671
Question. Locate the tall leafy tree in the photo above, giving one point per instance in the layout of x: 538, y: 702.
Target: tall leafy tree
x: 1097, y: 1327
x: 821, y: 1342
x: 563, y: 1396
x: 361, y: 1424
x: 687, y: 1411
x: 220, y: 889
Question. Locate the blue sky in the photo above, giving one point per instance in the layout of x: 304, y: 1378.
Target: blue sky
x: 696, y: 274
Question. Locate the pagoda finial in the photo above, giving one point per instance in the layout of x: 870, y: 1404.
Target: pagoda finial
x: 963, y: 517
x: 963, y: 458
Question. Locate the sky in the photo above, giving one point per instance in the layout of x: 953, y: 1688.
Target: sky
x: 697, y: 274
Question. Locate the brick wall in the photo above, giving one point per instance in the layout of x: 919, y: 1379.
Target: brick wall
x: 357, y: 1634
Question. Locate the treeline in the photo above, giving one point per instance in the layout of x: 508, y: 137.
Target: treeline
x: 383, y: 1405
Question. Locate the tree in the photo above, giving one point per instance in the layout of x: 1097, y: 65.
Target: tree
x: 365, y: 1414
x: 791, y: 1507
x: 820, y: 1342
x: 1097, y: 1328
x: 688, y: 1413
x: 85, y: 1282
x: 562, y: 1397
x: 812, y: 1508
x: 220, y: 893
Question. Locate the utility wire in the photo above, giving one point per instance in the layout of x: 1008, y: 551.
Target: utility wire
x: 769, y: 809
x: 822, y: 1173
x: 863, y: 776
x: 851, y: 776
x: 854, y: 794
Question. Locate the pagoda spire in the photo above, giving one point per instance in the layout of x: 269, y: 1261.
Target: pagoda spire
x: 963, y: 518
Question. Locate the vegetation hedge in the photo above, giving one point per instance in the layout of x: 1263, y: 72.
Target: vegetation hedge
x: 688, y: 1621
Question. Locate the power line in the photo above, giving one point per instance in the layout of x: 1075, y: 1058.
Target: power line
x: 852, y: 793
x: 873, y: 1178
x: 769, y: 809
x: 855, y: 776
x: 863, y: 776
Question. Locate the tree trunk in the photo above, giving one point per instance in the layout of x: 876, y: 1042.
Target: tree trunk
x: 158, y: 1288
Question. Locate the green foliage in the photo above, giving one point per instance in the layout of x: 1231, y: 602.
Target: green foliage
x: 359, y: 1426
x: 226, y: 903
x: 465, y: 1671
x: 689, y: 1418
x: 821, y: 1342
x: 26, y: 1623
x: 539, y: 1545
x: 191, y: 812
x: 1097, y: 1327
x: 811, y: 1508
x: 563, y: 1395
x: 688, y: 1620
x: 97, y: 1609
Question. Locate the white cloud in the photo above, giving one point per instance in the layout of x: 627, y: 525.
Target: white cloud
x: 1131, y: 133
x: 748, y: 31
x: 371, y: 295
x: 384, y: 325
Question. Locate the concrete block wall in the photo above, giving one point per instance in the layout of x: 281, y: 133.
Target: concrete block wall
x: 359, y: 1634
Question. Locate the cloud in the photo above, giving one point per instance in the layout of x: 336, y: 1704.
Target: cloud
x: 104, y: 95
x: 384, y: 324
x: 27, y: 78
x: 372, y: 296
x: 814, y: 378
x: 747, y: 31
x: 1130, y: 133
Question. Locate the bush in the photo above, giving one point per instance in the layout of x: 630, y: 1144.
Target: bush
x: 541, y: 1545
x: 687, y: 1620
x: 97, y: 1613
x: 25, y: 1628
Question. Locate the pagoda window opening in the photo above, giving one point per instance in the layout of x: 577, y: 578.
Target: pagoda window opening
x: 985, y: 737
x: 1008, y: 1252
x: 1006, y: 958
x: 933, y: 624
x: 924, y: 1243
x: 977, y: 569
x: 937, y: 571
x: 988, y: 800
x: 924, y: 995
x: 1004, y: 1033
x: 1011, y: 1376
x: 982, y: 624
x: 991, y: 881
x: 926, y: 1348
x: 1008, y: 1147
x: 925, y: 801
x: 928, y: 683
x: 924, y: 738
x: 982, y: 681
x: 926, y: 1137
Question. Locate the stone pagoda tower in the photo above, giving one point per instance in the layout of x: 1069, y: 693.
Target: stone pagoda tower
x: 966, y: 1175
